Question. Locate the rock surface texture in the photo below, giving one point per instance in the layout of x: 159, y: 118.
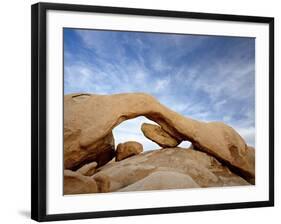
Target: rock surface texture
x: 76, y: 183
x: 89, y: 120
x: 167, y: 169
x: 77, y: 155
x: 127, y: 149
x: 103, y: 183
x: 156, y: 134
x: 161, y: 180
x: 88, y: 169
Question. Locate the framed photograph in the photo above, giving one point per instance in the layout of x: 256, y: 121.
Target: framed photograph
x: 140, y: 111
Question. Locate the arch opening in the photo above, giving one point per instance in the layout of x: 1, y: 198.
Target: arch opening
x: 130, y: 130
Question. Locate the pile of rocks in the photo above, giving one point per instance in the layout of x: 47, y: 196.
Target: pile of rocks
x: 218, y: 156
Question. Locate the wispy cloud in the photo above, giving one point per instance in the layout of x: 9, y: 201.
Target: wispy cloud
x: 209, y: 78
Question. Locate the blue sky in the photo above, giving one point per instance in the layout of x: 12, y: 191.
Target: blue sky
x: 210, y: 78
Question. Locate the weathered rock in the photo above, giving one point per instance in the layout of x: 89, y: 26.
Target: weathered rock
x: 103, y: 183
x: 156, y: 134
x: 251, y: 159
x: 127, y: 149
x: 198, y: 168
x: 90, y: 119
x: 162, y: 180
x: 76, y: 155
x: 76, y: 183
x: 88, y: 169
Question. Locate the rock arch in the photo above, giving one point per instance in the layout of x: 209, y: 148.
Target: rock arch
x: 89, y: 120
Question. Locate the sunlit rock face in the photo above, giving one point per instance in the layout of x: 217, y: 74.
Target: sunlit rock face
x: 156, y: 134
x: 128, y: 149
x: 88, y: 123
x: 169, y: 168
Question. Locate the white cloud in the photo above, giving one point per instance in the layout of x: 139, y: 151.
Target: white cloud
x: 160, y: 65
x: 233, y: 79
x: 140, y: 76
x: 161, y: 85
x: 226, y: 118
x: 248, y: 133
x: 130, y: 130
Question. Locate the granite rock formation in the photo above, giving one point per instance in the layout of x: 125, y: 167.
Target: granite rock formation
x: 128, y: 149
x: 156, y: 134
x: 76, y: 183
x: 88, y: 169
x: 89, y: 120
x: 167, y: 169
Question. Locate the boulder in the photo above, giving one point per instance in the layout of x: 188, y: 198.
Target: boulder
x: 76, y: 155
x: 88, y: 169
x: 162, y: 180
x: 76, y: 183
x: 127, y: 149
x: 166, y: 169
x: 156, y: 134
x: 103, y: 183
x: 89, y: 120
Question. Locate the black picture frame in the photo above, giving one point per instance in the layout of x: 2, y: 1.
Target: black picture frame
x: 39, y: 122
